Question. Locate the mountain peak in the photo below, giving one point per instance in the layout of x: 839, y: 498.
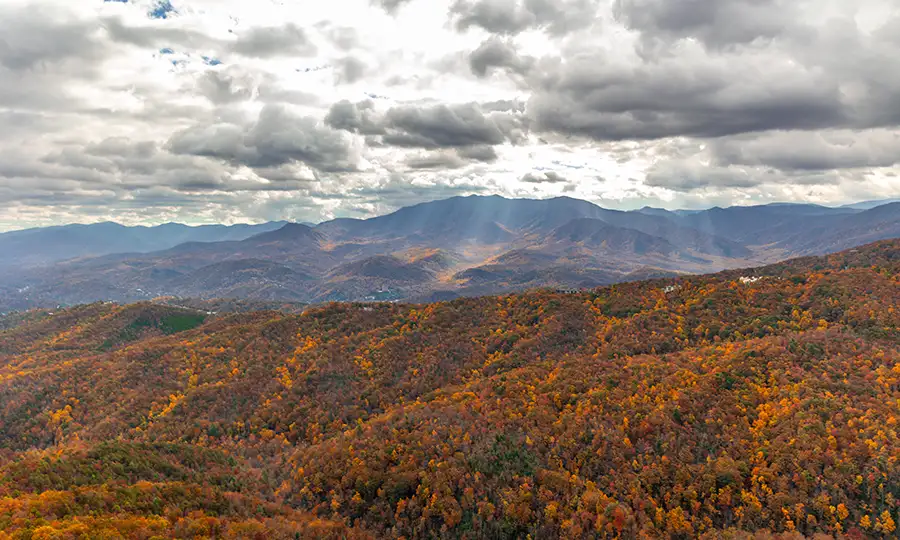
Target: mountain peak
x: 287, y: 233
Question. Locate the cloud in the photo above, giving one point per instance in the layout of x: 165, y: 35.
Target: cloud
x: 436, y: 160
x: 40, y: 40
x: 286, y: 40
x: 463, y: 125
x: 497, y: 53
x: 716, y: 23
x: 354, y: 117
x: 689, y: 176
x: 504, y: 105
x: 440, y: 126
x: 277, y: 137
x: 812, y: 151
x: 511, y: 17
x: 50, y: 60
x: 696, y: 175
x: 342, y: 37
x: 547, y: 177
x: 597, y: 97
x: 266, y: 42
x: 350, y: 69
x: 143, y: 35
x: 483, y: 153
x: 221, y: 86
x: 391, y: 6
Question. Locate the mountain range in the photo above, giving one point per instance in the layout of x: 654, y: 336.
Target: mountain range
x: 462, y: 246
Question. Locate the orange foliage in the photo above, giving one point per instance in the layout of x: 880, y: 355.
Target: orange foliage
x: 707, y: 406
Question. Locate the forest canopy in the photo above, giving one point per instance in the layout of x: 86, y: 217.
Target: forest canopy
x: 763, y: 401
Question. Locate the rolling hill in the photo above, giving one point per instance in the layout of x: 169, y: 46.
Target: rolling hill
x: 749, y: 403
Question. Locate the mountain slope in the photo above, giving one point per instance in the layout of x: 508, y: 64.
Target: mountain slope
x: 760, y: 225
x: 879, y: 223
x: 701, y: 405
x: 245, y: 278
x: 600, y: 235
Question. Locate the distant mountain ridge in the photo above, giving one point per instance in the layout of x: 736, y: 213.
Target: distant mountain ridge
x: 461, y: 246
x: 50, y: 244
x: 868, y: 205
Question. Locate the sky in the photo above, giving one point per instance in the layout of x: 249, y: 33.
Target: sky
x: 227, y: 111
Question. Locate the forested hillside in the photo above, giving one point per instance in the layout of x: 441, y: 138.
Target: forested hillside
x: 763, y: 401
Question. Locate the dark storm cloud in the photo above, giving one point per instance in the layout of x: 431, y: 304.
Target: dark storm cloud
x: 716, y: 23
x: 497, y: 53
x: 548, y: 177
x: 275, y: 138
x: 510, y: 17
x: 598, y: 98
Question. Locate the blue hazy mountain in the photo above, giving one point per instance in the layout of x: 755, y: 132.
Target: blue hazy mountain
x: 49, y: 244
x: 868, y: 205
